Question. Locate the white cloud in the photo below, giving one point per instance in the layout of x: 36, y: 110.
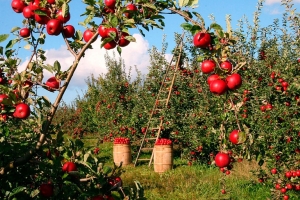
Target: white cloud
x: 135, y: 54
x: 270, y: 2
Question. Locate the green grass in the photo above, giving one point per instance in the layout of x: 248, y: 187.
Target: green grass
x: 194, y: 182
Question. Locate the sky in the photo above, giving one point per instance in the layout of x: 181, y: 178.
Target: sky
x: 136, y: 54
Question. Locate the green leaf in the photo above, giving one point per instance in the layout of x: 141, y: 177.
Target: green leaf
x: 114, y: 20
x: 107, y: 170
x: 186, y: 26
x: 11, y: 43
x: 1, y: 50
x: 216, y: 27
x: 17, y: 190
x: 3, y: 37
x: 130, y: 38
x: 119, y: 50
x: 56, y: 66
x: 40, y: 12
x: 15, y: 29
x: 65, y: 9
x: 242, y: 137
x: 46, y: 101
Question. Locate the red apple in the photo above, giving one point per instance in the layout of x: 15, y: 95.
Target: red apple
x: 34, y: 4
x: 102, y: 30
x: 87, y: 35
x: 208, y: 66
x: 68, y: 31
x: 62, y: 18
x: 25, y: 32
x: 22, y: 111
x: 52, y: 83
x: 234, y: 81
x: 226, y: 65
x: 42, y: 19
x: 51, y: 1
x: 132, y: 9
x: 110, y: 45
x: 112, y: 31
x: 69, y: 166
x: 110, y: 3
x: 212, y: 77
x: 46, y: 190
x: 202, y: 40
x: 218, y: 86
x: 28, y: 12
x: 54, y: 27
x: 123, y: 42
x: 18, y: 5
x: 2, y: 97
x: 234, y: 136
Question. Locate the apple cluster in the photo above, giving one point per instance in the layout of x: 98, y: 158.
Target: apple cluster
x: 163, y: 141
x: 45, y: 14
x: 121, y: 140
x: 218, y: 84
x: 288, y: 183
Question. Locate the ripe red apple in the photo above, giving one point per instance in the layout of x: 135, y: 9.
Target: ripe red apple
x: 42, y: 19
x: 46, y: 190
x: 222, y: 159
x: 234, y: 136
x: 226, y: 65
x: 2, y: 97
x: 110, y: 3
x: 212, y: 77
x: 27, y: 12
x: 24, y: 32
x: 132, y: 9
x: 112, y: 31
x: 218, y: 87
x: 68, y: 31
x: 22, y: 111
x: 87, y: 35
x: 54, y: 27
x: 208, y: 66
x: 52, y: 83
x: 18, y: 5
x: 63, y: 19
x: 102, y: 30
x: 51, y: 1
x: 69, y: 166
x: 34, y: 4
x: 274, y: 171
x: 123, y: 42
x: 234, y: 81
x: 202, y: 40
x: 98, y: 197
x: 110, y: 45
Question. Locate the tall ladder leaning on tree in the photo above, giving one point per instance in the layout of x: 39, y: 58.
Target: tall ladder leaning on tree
x: 155, y: 121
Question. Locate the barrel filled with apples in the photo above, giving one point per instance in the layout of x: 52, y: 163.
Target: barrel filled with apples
x: 122, y: 151
x: 163, y: 155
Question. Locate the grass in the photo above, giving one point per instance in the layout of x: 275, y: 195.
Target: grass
x: 194, y: 182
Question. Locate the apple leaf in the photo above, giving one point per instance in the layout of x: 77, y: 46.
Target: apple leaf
x: 119, y: 50
x: 40, y: 12
x: 3, y: 37
x: 242, y: 137
x: 57, y: 66
x: 216, y: 27
x: 46, y: 101
x: 15, y: 29
x: 183, y: 3
x: 186, y: 26
x: 149, y: 5
x: 130, y: 38
x: 65, y: 9
x: 200, y: 18
x: 11, y: 43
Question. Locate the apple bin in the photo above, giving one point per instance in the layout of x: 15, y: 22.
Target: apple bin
x: 163, y: 155
x: 122, y: 151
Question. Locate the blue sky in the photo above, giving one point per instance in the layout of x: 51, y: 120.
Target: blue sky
x: 134, y: 54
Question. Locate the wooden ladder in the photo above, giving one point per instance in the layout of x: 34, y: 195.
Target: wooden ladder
x: 155, y: 122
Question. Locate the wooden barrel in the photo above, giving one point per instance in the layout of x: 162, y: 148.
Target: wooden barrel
x: 122, y: 153
x: 163, y: 158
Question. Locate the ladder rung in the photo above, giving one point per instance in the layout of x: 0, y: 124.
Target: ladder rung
x: 144, y: 159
